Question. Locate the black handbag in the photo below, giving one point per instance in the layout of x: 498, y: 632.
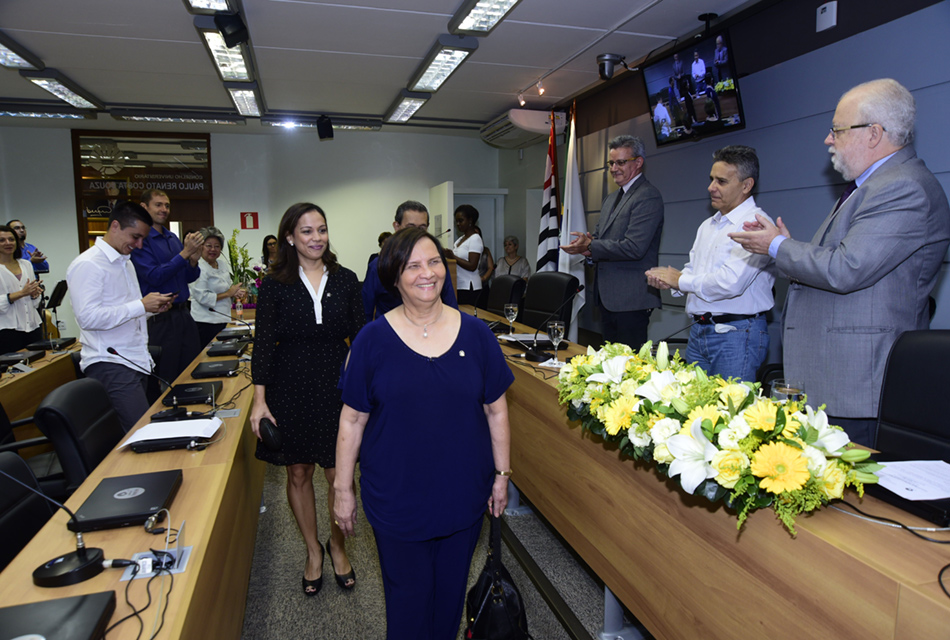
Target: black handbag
x: 493, y: 606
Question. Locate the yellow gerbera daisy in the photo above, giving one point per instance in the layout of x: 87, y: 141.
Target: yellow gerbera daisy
x: 617, y: 416
x: 761, y: 416
x: 703, y: 412
x: 780, y: 467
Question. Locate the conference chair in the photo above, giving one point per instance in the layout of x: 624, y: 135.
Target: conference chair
x: 22, y: 513
x: 506, y: 289
x: 768, y: 373
x: 546, y: 291
x: 44, y: 466
x: 82, y: 424
x: 915, y: 380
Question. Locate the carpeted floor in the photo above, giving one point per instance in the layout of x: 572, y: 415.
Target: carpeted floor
x: 277, y: 608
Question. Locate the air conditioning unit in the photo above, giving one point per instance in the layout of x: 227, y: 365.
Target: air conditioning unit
x: 519, y: 128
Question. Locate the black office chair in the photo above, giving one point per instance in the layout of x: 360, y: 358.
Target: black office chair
x: 153, y: 388
x: 546, y: 291
x: 82, y: 424
x: 768, y: 373
x: 914, y: 380
x: 22, y: 513
x: 45, y: 466
x: 506, y: 289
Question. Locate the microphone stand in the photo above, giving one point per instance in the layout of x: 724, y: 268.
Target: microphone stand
x: 72, y: 568
x: 140, y: 368
x: 533, y: 354
x: 249, y: 328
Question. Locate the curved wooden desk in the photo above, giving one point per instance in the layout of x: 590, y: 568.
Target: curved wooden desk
x: 678, y: 562
x: 220, y: 501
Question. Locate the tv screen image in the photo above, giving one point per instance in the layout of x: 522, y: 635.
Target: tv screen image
x: 693, y: 92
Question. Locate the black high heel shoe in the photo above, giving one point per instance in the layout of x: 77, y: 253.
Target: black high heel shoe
x: 312, y: 587
x: 341, y: 579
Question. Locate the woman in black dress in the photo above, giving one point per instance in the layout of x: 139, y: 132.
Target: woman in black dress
x: 307, y: 307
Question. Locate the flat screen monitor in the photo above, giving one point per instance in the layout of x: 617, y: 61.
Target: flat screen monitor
x: 694, y: 92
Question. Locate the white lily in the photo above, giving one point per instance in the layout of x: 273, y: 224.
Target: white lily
x: 829, y: 439
x: 613, y: 370
x: 692, y: 456
x: 652, y: 390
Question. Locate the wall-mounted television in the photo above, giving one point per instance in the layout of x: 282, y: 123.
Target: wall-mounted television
x: 694, y: 92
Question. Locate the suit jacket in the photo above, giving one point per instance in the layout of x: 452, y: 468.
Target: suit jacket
x: 863, y: 280
x: 626, y: 243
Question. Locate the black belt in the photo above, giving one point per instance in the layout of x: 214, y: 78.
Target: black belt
x: 178, y: 306
x: 707, y: 318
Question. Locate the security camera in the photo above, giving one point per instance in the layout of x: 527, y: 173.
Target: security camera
x: 606, y: 63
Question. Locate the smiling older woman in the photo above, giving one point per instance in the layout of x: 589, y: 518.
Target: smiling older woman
x: 424, y: 480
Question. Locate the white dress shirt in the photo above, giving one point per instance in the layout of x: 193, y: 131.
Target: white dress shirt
x: 21, y: 315
x: 317, y: 295
x: 722, y: 277
x: 107, y: 302
x: 204, y: 294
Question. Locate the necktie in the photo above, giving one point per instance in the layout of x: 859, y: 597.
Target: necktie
x: 847, y: 193
x: 617, y: 201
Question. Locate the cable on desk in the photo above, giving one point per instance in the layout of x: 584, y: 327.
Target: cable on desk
x: 546, y: 374
x: 893, y: 523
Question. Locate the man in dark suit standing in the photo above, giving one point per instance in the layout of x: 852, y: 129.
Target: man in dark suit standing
x: 867, y: 274
x: 624, y: 245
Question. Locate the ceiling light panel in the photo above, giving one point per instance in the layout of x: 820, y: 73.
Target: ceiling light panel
x: 62, y: 87
x: 13, y: 56
x: 183, y: 117
x: 45, y: 114
x: 232, y: 65
x: 405, y: 106
x: 207, y: 6
x: 245, y: 97
x: 479, y: 17
x: 442, y: 61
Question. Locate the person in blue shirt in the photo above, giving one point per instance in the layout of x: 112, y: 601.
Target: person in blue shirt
x: 30, y: 252
x: 376, y: 299
x: 166, y: 265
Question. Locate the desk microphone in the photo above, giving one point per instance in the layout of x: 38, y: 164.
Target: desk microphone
x: 139, y: 367
x: 74, y: 567
x: 228, y: 316
x: 532, y: 354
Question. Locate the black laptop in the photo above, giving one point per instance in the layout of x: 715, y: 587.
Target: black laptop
x: 126, y: 500
x: 74, y: 618
x: 228, y: 348
x: 936, y: 511
x: 234, y: 333
x: 193, y: 393
x: 216, y: 369
x: 16, y: 357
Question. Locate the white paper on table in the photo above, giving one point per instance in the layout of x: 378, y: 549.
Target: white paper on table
x: 916, y: 479
x: 200, y: 428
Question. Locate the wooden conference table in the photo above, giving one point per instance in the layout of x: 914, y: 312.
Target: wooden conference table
x: 219, y: 499
x: 679, y: 564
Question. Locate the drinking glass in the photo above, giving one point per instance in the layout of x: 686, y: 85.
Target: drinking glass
x: 511, y: 312
x: 788, y: 389
x: 556, y: 333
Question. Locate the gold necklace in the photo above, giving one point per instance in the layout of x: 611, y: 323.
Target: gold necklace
x: 425, y: 326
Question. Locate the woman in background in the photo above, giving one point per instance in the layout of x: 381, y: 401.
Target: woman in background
x: 512, y: 263
x: 268, y: 253
x: 468, y: 251
x: 307, y: 308
x: 212, y: 289
x: 20, y: 295
x: 424, y: 480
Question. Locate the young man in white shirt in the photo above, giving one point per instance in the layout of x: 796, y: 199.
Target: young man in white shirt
x: 111, y: 312
x: 728, y: 289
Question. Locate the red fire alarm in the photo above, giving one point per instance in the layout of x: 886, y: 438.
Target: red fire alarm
x: 249, y: 220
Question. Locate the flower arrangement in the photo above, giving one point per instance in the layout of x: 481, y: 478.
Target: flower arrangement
x: 721, y: 437
x: 239, y: 260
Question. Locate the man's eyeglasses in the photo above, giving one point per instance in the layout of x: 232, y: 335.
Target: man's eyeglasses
x: 836, y: 130
x: 619, y: 163
x: 18, y: 227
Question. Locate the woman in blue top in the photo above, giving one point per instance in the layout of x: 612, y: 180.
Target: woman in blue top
x: 425, y: 412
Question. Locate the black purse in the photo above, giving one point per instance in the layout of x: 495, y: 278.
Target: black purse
x: 493, y: 606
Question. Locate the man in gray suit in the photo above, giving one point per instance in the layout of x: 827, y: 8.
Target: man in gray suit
x: 624, y: 245
x: 866, y: 276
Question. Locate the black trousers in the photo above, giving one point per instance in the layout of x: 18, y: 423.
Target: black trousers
x: 13, y: 340
x: 176, y: 332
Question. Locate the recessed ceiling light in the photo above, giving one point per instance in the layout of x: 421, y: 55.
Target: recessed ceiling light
x: 479, y: 17
x: 443, y: 59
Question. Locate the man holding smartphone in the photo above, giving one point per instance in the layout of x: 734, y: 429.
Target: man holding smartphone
x: 111, y: 312
x: 165, y: 264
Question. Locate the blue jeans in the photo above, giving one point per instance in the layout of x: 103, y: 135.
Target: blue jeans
x: 735, y: 354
